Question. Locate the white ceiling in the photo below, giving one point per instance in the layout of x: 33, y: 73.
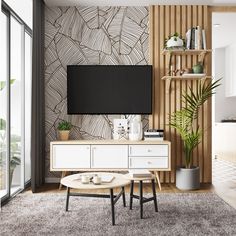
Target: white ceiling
x: 138, y: 2
x: 225, y: 33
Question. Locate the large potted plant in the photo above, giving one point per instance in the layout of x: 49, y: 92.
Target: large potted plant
x: 64, y: 128
x: 185, y: 123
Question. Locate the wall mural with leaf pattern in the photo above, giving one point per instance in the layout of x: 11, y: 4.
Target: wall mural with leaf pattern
x: 87, y: 36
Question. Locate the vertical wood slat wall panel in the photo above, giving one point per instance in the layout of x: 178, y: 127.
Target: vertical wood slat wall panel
x: 165, y: 21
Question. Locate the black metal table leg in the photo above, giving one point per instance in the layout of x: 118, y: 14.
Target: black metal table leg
x: 112, y: 206
x: 154, y: 195
x: 67, y: 198
x: 123, y: 196
x: 131, y: 194
x: 141, y: 198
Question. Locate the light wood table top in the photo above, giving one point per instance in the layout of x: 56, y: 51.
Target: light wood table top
x: 127, y: 176
x: 74, y: 181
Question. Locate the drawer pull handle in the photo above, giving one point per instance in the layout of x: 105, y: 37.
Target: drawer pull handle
x: 149, y: 162
x: 149, y: 150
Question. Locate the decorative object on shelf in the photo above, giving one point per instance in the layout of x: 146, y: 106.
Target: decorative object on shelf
x: 135, y: 128
x: 175, y: 72
x: 120, y: 130
x: 198, y: 68
x: 188, y: 71
x: 154, y: 135
x: 175, y: 42
x: 196, y: 38
x: 64, y: 128
x: 184, y: 121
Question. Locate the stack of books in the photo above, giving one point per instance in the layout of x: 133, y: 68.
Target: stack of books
x: 154, y: 135
x: 196, y: 38
x: 142, y: 173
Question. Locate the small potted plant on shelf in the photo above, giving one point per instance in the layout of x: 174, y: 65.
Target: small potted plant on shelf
x: 185, y: 123
x: 174, y: 41
x: 64, y: 128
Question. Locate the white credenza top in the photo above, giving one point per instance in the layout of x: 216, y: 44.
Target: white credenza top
x: 111, y: 141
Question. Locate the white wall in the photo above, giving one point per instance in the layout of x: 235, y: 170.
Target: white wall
x: 225, y: 107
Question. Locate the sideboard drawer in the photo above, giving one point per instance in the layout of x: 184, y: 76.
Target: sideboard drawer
x: 148, y: 162
x: 148, y: 150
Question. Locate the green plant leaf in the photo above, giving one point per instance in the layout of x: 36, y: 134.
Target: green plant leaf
x: 64, y: 125
x: 184, y: 120
x: 3, y: 84
x: 2, y: 124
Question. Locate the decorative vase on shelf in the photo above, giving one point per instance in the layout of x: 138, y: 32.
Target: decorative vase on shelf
x: 136, y: 128
x: 198, y: 68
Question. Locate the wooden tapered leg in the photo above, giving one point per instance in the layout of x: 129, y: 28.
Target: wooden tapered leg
x: 158, y: 179
x: 63, y: 174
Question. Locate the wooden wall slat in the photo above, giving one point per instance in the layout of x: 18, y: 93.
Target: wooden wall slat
x: 166, y: 20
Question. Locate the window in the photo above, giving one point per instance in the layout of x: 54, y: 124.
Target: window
x: 28, y: 66
x: 3, y: 106
x: 15, y: 102
x: 23, y: 8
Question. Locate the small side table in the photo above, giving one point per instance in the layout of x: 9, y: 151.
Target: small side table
x: 141, y: 198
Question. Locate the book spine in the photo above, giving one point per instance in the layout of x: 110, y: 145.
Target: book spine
x: 188, y: 39
x: 199, y: 41
x: 192, y: 38
x: 196, y: 39
x: 204, y: 39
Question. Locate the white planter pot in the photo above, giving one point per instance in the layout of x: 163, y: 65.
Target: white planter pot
x: 188, y: 179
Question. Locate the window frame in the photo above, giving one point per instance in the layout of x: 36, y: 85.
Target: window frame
x: 9, y: 12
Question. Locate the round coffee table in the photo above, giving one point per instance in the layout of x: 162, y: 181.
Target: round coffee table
x: 119, y: 181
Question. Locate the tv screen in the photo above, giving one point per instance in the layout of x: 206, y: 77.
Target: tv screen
x: 113, y: 89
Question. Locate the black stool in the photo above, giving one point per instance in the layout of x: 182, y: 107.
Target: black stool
x: 141, y: 198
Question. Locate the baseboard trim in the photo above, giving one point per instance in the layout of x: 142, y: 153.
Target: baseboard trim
x: 52, y: 180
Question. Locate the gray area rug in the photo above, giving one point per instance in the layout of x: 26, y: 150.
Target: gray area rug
x: 179, y: 214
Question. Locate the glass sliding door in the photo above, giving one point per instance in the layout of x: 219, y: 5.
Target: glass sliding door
x: 3, y: 105
x: 15, y: 102
x: 28, y: 78
x: 16, y: 75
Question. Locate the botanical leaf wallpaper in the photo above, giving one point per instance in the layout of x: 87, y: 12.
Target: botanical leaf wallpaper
x: 88, y: 36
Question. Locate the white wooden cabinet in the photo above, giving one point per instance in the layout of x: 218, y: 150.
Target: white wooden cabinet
x: 109, y: 155
x: 65, y: 156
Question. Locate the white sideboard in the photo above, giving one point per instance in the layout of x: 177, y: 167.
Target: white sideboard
x: 88, y: 155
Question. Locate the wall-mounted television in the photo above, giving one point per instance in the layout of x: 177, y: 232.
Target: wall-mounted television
x: 109, y: 89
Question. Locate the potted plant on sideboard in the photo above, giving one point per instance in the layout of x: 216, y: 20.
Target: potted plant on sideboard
x: 185, y: 123
x: 64, y: 128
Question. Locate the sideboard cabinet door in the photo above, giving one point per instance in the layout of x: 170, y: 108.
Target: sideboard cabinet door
x: 109, y: 156
x: 70, y: 156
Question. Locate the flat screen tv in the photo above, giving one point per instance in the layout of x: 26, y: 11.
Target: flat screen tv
x: 109, y: 89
